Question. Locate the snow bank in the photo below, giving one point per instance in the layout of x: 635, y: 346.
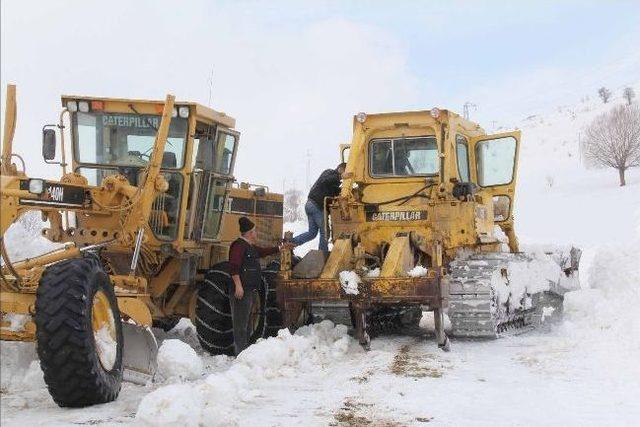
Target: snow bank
x: 19, y: 367
x: 214, y: 401
x: 349, y: 280
x: 607, y: 311
x: 177, y: 360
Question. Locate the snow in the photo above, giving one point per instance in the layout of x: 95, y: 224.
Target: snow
x: 581, y: 371
x: 418, y: 271
x: 177, y: 360
x: 373, y: 273
x: 27, y: 232
x: 212, y: 401
x: 535, y: 275
x: 16, y: 321
x: 106, y: 345
x: 349, y: 280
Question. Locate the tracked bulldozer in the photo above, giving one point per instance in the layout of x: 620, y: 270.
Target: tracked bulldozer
x: 144, y: 218
x: 424, y: 221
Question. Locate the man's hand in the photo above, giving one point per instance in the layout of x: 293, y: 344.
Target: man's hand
x: 239, y: 293
x: 346, y: 175
x: 287, y: 245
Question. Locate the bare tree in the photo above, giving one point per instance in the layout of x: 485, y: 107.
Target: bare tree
x: 292, y: 202
x: 628, y: 93
x: 613, y: 140
x: 605, y: 94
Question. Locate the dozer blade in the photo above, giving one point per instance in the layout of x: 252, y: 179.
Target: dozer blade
x: 140, y: 354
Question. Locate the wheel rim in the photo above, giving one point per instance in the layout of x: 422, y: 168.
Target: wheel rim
x: 104, y: 330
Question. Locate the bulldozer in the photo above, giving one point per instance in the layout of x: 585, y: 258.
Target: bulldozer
x: 144, y: 218
x: 425, y: 222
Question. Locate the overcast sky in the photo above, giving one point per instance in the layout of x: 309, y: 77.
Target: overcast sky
x: 294, y: 73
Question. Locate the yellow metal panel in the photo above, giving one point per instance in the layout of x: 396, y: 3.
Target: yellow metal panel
x: 399, y: 259
x: 136, y: 310
x: 339, y: 260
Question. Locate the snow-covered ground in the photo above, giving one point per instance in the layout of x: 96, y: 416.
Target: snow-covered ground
x: 583, y: 371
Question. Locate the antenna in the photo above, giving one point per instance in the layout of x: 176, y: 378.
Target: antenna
x: 308, y: 167
x: 466, y: 107
x: 210, y: 87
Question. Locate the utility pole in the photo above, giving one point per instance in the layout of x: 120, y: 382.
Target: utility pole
x: 210, y: 87
x: 466, y: 107
x: 308, y: 168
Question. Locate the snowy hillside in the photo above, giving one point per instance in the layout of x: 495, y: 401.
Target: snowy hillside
x: 583, y: 371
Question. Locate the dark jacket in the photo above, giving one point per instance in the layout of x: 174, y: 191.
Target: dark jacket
x: 327, y: 185
x: 244, y: 260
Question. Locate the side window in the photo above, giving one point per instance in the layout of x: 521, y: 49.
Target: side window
x: 225, y: 150
x: 214, y: 208
x: 203, y: 147
x: 495, y: 161
x: 462, y: 155
x: 381, y: 158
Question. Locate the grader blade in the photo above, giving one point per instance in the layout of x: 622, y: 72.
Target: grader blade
x: 140, y: 354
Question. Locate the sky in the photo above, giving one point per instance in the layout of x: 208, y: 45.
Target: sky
x: 294, y: 73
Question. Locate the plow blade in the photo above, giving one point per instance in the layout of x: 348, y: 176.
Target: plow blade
x: 140, y: 354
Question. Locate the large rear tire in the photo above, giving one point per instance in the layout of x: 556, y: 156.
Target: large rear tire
x: 213, y: 310
x: 274, y: 319
x: 79, y: 333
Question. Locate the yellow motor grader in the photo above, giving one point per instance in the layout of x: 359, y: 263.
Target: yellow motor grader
x: 425, y: 221
x: 144, y: 218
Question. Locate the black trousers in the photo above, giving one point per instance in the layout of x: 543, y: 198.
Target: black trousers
x: 241, y: 316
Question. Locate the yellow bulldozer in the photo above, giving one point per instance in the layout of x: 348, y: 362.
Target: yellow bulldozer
x: 425, y: 221
x: 144, y: 218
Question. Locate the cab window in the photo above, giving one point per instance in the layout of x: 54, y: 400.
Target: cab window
x: 495, y: 161
x: 462, y: 155
x: 403, y: 157
x: 226, y: 147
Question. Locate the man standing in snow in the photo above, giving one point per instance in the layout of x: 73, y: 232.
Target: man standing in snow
x: 244, y: 261
x: 327, y: 185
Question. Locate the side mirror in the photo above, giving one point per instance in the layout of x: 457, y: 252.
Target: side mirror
x: 48, y: 144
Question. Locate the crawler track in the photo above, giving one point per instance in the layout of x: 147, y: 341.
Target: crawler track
x: 474, y: 308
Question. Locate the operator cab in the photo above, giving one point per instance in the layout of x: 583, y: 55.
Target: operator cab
x: 433, y: 148
x: 117, y: 137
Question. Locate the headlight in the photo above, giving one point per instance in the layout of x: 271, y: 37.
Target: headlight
x: 72, y: 106
x: 83, y: 106
x: 361, y: 117
x: 36, y: 186
x: 183, y: 111
x: 435, y: 113
x: 174, y: 113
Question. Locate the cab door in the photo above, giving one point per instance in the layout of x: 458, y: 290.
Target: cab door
x: 495, y: 169
x: 218, y: 161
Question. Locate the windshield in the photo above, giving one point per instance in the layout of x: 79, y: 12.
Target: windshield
x: 125, y: 139
x: 404, y: 157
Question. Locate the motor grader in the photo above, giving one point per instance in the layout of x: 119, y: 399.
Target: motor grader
x: 425, y: 221
x: 143, y: 217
